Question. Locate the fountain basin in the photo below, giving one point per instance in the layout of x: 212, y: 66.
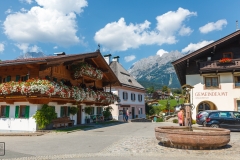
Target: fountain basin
x: 199, y: 138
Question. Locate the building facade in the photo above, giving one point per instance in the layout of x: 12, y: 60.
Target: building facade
x: 214, y: 72
x: 131, y: 94
x: 60, y: 81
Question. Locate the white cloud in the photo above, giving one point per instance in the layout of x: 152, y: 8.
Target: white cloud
x: 34, y: 49
x: 1, y: 47
x: 8, y: 11
x: 193, y: 47
x: 26, y: 48
x: 118, y: 36
x: 26, y: 1
x: 23, y: 10
x: 185, y: 31
x: 54, y: 22
x: 160, y: 52
x: 55, y: 47
x: 129, y: 58
x: 213, y: 26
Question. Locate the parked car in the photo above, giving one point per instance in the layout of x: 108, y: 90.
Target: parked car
x: 201, y: 117
x: 224, y: 119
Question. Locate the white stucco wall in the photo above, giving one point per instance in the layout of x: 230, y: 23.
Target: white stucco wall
x: 13, y: 124
x: 136, y: 104
x: 224, y: 97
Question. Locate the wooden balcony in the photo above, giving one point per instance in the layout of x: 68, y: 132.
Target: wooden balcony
x: 216, y: 66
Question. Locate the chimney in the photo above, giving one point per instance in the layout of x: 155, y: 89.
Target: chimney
x: 107, y: 58
x: 236, y: 25
x: 116, y: 58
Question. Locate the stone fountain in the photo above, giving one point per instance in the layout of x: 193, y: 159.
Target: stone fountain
x: 188, y: 137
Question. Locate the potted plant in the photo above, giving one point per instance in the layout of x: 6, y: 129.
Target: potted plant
x: 44, y: 117
x: 73, y: 110
x: 88, y: 111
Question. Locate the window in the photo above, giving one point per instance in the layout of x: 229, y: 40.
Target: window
x: 211, y: 82
x: 225, y: 115
x: 92, y: 111
x: 203, y: 107
x: 139, y: 110
x: 133, y: 97
x: 120, y: 112
x: 236, y: 114
x: 125, y: 96
x: 140, y: 98
x: 22, y: 111
x: 214, y: 115
x: 237, y: 81
x: 238, y: 105
x: 99, y: 110
x: 228, y: 55
x: 4, y: 111
x: 64, y: 111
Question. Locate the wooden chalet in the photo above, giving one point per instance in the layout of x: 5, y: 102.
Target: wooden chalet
x: 60, y: 81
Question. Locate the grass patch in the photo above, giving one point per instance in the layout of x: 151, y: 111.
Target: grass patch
x: 72, y: 128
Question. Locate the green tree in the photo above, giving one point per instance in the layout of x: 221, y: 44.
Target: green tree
x: 150, y: 89
x: 165, y: 89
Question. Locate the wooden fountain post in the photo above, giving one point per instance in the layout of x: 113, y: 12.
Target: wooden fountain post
x: 187, y: 107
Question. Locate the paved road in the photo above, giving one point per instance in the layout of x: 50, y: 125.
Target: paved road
x: 135, y: 141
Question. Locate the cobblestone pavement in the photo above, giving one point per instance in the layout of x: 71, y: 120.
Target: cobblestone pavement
x: 128, y: 141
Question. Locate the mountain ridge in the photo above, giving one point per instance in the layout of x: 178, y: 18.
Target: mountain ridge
x: 156, y: 70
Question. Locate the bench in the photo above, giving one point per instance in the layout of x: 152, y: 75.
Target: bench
x: 62, y: 122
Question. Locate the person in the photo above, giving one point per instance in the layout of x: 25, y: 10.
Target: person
x: 180, y: 117
x: 127, y: 114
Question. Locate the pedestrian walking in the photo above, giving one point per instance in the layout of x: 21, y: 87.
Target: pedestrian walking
x: 127, y: 114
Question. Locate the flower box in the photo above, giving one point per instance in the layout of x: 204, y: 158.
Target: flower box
x: 85, y: 69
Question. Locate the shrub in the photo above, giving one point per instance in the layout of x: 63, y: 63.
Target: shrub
x: 193, y: 121
x: 159, y: 120
x: 44, y: 116
x: 175, y: 121
x: 73, y: 110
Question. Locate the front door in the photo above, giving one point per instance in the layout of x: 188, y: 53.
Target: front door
x: 79, y: 114
x: 133, y: 112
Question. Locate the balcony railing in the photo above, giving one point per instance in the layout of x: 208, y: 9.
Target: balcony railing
x: 216, y: 66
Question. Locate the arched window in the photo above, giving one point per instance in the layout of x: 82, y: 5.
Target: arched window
x: 203, y: 106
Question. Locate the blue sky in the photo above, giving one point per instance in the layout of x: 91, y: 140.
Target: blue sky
x: 131, y: 29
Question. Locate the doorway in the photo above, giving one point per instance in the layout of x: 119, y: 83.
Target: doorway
x: 133, y: 112
x: 79, y: 116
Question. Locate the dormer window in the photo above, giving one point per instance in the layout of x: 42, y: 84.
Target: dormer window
x: 129, y: 80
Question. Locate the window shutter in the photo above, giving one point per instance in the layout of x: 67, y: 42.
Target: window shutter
x: 54, y: 108
x: 7, y: 111
x: 17, y: 112
x: 68, y: 111
x: 126, y: 95
x: 8, y: 78
x: 123, y: 95
x: 27, y: 112
x: 62, y: 110
x: 17, y: 78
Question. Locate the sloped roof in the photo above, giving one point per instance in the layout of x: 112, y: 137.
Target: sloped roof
x: 93, y: 58
x: 181, y: 64
x: 124, y: 77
